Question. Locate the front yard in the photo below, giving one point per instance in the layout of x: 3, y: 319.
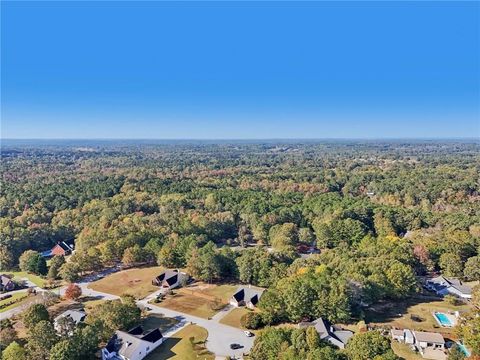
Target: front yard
x: 13, y: 301
x: 187, y: 344
x: 136, y: 282
x: 20, y: 275
x: 234, y: 316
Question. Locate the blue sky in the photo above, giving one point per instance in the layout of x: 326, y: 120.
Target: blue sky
x: 240, y: 70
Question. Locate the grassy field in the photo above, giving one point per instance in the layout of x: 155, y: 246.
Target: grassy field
x: 418, y: 307
x: 223, y: 292
x: 404, y: 351
x: 19, y: 298
x: 189, y: 304
x: 233, y: 317
x: 136, y: 282
x: 202, y: 300
x: 179, y: 346
x: 37, y: 280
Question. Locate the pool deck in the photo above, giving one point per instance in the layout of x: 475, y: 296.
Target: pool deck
x: 451, y: 318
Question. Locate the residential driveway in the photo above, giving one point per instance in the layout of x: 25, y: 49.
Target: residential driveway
x: 219, y: 336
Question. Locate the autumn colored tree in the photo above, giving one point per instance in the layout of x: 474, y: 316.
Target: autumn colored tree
x: 73, y: 292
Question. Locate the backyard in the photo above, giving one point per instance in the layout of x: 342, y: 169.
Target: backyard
x: 415, y: 314
x: 136, y: 282
x: 187, y: 344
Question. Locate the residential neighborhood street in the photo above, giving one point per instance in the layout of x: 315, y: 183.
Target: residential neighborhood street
x: 220, y: 336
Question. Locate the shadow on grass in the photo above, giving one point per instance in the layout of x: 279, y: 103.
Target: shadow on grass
x: 164, y: 351
x: 387, y: 311
x: 153, y: 321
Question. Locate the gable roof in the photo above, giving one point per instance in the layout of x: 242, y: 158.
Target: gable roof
x: 65, y: 246
x: 5, y: 280
x: 326, y: 331
x: 126, y: 343
x: 429, y: 337
x: 170, y: 276
x: 76, y: 315
x: 248, y: 294
x: 442, y: 282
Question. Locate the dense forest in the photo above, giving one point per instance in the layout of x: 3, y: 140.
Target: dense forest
x: 378, y: 214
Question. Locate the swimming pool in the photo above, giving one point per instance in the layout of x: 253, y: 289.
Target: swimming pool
x: 443, y: 319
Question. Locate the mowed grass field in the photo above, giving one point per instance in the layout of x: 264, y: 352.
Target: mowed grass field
x: 179, y: 346
x: 136, y: 282
x: 199, y: 300
x: 19, y: 275
x: 420, y: 308
x: 17, y: 299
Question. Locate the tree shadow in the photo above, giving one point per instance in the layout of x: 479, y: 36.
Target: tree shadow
x: 387, y: 311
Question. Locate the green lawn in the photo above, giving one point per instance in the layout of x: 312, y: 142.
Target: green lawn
x: 179, y: 346
x: 18, y: 298
x: 37, y: 280
x: 136, y: 282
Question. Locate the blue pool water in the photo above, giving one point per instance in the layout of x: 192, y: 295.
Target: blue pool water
x: 464, y: 349
x: 443, y: 319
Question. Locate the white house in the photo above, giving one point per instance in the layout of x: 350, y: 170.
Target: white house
x: 132, y: 345
x: 328, y: 332
x: 169, y: 279
x: 247, y: 296
x: 397, y: 335
x: 430, y: 345
x: 442, y: 286
x: 403, y: 336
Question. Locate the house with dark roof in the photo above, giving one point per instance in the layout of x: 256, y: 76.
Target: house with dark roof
x: 61, y: 248
x: 442, y: 286
x: 132, y: 345
x: 246, y: 296
x: 328, y: 332
x: 6, y: 283
x: 76, y: 316
x: 169, y: 279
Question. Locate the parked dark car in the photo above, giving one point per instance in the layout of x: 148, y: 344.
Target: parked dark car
x: 235, y: 346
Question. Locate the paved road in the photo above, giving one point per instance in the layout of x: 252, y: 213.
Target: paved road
x: 220, y: 336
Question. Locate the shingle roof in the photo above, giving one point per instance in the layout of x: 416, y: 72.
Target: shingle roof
x: 76, y: 315
x: 396, y: 332
x: 248, y: 294
x: 429, y: 337
x: 5, y: 280
x: 126, y: 343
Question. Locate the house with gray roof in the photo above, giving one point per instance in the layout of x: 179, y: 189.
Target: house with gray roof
x: 169, y: 279
x: 134, y: 344
x: 76, y: 316
x: 442, y: 286
x: 328, y: 332
x: 246, y: 296
x: 6, y: 283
